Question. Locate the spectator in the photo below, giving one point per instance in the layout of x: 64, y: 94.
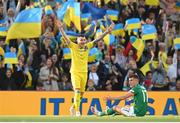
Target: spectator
x: 178, y: 84
x: 90, y: 85
x: 64, y: 83
x: 93, y: 75
x: 8, y: 83
x: 49, y: 76
x: 148, y: 80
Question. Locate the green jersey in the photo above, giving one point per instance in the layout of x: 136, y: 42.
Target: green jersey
x: 140, y: 100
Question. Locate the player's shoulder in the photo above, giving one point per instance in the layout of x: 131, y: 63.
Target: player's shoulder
x: 139, y: 87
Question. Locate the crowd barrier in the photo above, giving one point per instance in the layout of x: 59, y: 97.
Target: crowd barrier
x: 58, y: 103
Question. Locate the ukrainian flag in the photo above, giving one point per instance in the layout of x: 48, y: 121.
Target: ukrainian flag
x: 62, y: 11
x: 133, y: 23
x: 48, y: 10
x: 118, y: 30
x: 27, y: 24
x: 98, y: 33
x: 10, y: 58
x: 149, y: 32
x: 139, y: 45
x: 144, y: 69
x: 73, y: 15
x: 102, y: 27
x: 66, y: 53
x: 92, y: 54
x: 71, y: 34
x: 109, y: 39
x: 76, y: 16
x: 90, y: 29
x: 112, y: 14
x: 3, y: 30
x: 67, y: 17
x: 21, y: 49
x: 85, y: 17
x: 177, y: 42
x: 152, y: 2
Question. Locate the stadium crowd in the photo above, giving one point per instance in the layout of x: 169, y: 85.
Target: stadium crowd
x: 42, y: 65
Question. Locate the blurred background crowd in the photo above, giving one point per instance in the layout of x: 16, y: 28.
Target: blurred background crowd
x: 43, y: 62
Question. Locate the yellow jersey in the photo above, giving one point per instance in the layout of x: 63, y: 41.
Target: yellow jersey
x: 79, y: 57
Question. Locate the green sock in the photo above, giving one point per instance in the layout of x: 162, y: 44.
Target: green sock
x: 109, y: 111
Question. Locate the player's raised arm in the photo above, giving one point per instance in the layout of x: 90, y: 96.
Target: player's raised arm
x: 60, y: 26
x: 108, y: 30
x: 123, y: 97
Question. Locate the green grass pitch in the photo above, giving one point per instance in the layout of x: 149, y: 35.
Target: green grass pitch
x: 117, y: 118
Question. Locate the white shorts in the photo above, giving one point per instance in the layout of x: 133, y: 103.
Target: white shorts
x: 128, y: 111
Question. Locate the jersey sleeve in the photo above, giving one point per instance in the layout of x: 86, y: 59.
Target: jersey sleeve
x: 72, y: 45
x: 90, y: 45
x: 134, y: 90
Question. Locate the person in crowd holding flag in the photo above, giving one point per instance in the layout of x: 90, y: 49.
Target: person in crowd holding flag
x: 79, y: 68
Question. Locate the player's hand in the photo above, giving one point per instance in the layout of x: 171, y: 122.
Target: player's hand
x: 59, y: 24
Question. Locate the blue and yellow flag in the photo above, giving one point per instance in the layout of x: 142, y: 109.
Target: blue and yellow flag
x: 139, y: 45
x: 144, y: 69
x: 66, y: 53
x: 21, y: 49
x: 48, y: 10
x: 90, y: 29
x: 3, y: 30
x: 10, y: 58
x: 149, y: 32
x: 133, y: 23
x: 73, y: 15
x: 177, y: 42
x: 112, y: 14
x: 93, y: 54
x: 67, y: 17
x: 76, y: 16
x: 85, y: 17
x: 118, y: 30
x: 71, y: 34
x: 109, y: 39
x: 152, y: 2
x: 98, y: 33
x: 27, y: 25
x: 61, y: 11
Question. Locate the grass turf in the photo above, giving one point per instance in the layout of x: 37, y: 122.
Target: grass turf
x: 89, y: 119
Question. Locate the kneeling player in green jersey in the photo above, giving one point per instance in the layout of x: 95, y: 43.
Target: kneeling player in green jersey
x: 140, y: 101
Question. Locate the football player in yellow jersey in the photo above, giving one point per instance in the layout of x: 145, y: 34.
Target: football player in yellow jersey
x: 79, y: 64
